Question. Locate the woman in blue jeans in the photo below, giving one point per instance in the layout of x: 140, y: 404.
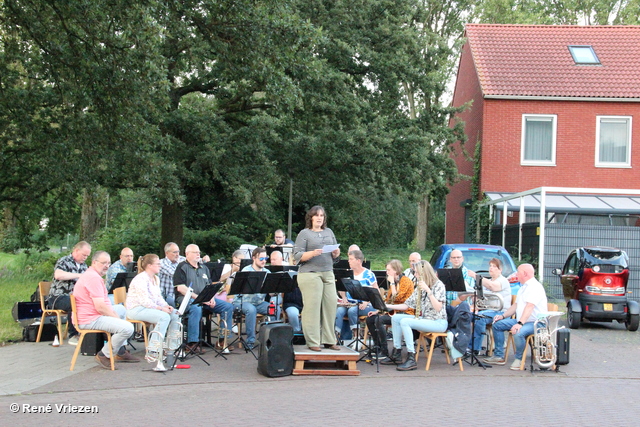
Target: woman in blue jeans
x: 145, y: 303
x: 431, y: 315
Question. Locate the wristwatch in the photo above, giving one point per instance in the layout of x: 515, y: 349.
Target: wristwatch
x: 520, y: 323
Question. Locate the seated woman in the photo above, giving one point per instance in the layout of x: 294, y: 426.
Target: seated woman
x: 144, y: 302
x: 431, y: 316
x: 400, y: 288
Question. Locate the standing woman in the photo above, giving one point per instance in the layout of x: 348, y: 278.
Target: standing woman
x: 316, y: 280
x: 145, y: 302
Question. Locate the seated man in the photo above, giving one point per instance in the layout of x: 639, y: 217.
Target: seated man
x: 456, y: 260
x: 95, y: 311
x: 366, y: 278
x: 168, y: 266
x: 65, y: 274
x: 498, y: 285
x: 530, y: 301
x: 252, y: 304
x: 277, y: 259
x: 281, y: 241
x: 192, y: 273
x: 413, y: 258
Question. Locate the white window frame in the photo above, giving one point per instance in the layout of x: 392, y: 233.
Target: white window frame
x: 626, y: 164
x: 554, y: 131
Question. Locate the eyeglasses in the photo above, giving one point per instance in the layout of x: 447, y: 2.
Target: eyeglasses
x: 456, y: 257
x: 104, y: 262
x: 174, y: 252
x: 263, y: 258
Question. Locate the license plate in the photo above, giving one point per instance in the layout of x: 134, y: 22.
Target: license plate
x: 607, y: 307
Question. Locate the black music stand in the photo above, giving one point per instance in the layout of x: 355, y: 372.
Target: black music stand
x: 122, y: 279
x: 246, y: 282
x: 245, y: 262
x: 452, y: 279
x: 278, y: 268
x: 478, y: 292
x: 378, y: 303
x: 357, y: 292
x: 215, y: 268
x: 207, y: 294
x: 278, y: 283
x: 381, y: 278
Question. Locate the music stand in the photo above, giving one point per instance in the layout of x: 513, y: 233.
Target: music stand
x: 207, y: 294
x: 452, y: 279
x: 381, y: 278
x: 215, y: 268
x: 132, y: 267
x: 246, y: 282
x: 279, y: 268
x: 122, y: 279
x: 357, y: 292
x: 279, y: 283
x: 478, y: 292
x: 244, y: 262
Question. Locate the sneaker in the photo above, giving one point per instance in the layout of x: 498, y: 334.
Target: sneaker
x: 515, y: 366
x: 74, y: 341
x: 103, y: 361
x: 234, y: 329
x: 127, y: 358
x: 495, y: 360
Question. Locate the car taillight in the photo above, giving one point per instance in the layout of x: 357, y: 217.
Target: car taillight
x: 592, y: 289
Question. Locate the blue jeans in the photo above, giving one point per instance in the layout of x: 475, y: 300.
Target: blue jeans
x: 194, y: 314
x: 402, y: 325
x: 250, y: 312
x: 120, y: 329
x: 481, y: 326
x: 293, y: 319
x: 520, y: 338
x: 352, y: 313
x: 159, y: 318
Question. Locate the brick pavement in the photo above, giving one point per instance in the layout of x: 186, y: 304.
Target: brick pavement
x: 598, y: 386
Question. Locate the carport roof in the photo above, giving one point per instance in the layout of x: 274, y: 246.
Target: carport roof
x: 573, y: 203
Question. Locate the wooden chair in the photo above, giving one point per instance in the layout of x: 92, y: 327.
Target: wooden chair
x: 433, y: 336
x: 119, y: 297
x: 489, y: 332
x: 529, y: 343
x: 83, y: 332
x: 43, y: 288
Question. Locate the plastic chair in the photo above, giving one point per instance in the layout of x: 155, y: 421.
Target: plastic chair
x: 44, y: 288
x: 83, y: 332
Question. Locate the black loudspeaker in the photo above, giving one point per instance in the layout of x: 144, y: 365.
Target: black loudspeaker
x: 563, y: 340
x: 275, y: 358
x: 92, y: 344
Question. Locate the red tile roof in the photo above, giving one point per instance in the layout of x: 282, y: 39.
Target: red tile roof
x: 534, y: 60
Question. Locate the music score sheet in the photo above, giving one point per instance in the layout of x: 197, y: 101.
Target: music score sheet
x: 330, y: 248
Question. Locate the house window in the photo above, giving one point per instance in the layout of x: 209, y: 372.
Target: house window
x: 538, y: 140
x: 584, y: 55
x: 613, y: 141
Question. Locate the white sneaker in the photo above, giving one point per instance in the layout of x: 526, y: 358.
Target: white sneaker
x: 515, y: 366
x: 73, y: 340
x: 234, y: 329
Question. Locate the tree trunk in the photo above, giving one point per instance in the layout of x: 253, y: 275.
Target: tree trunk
x: 422, y: 223
x: 172, y: 225
x: 89, y: 221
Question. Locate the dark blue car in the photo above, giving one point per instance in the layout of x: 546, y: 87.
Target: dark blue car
x: 476, y: 258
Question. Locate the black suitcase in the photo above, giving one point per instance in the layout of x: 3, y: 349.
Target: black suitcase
x: 92, y: 344
x: 49, y: 332
x: 563, y: 341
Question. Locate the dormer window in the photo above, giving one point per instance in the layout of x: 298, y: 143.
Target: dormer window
x: 584, y: 55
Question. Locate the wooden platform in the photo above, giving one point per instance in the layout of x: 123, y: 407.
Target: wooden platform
x: 325, y: 362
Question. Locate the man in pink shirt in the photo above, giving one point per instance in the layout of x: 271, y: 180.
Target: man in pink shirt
x: 95, y: 310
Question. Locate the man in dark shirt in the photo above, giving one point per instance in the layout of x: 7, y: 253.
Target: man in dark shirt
x: 192, y: 273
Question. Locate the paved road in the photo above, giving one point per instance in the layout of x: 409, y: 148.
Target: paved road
x: 599, y: 386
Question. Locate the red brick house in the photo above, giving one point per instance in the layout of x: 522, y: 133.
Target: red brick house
x: 551, y: 105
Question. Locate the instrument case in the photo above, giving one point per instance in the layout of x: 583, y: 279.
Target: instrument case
x: 563, y: 341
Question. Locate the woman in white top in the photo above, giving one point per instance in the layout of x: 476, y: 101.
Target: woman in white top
x: 144, y: 301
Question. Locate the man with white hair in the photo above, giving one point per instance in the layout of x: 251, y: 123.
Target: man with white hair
x: 530, y: 301
x: 414, y: 258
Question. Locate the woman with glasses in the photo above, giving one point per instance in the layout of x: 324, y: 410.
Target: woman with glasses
x: 316, y: 280
x: 144, y: 302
